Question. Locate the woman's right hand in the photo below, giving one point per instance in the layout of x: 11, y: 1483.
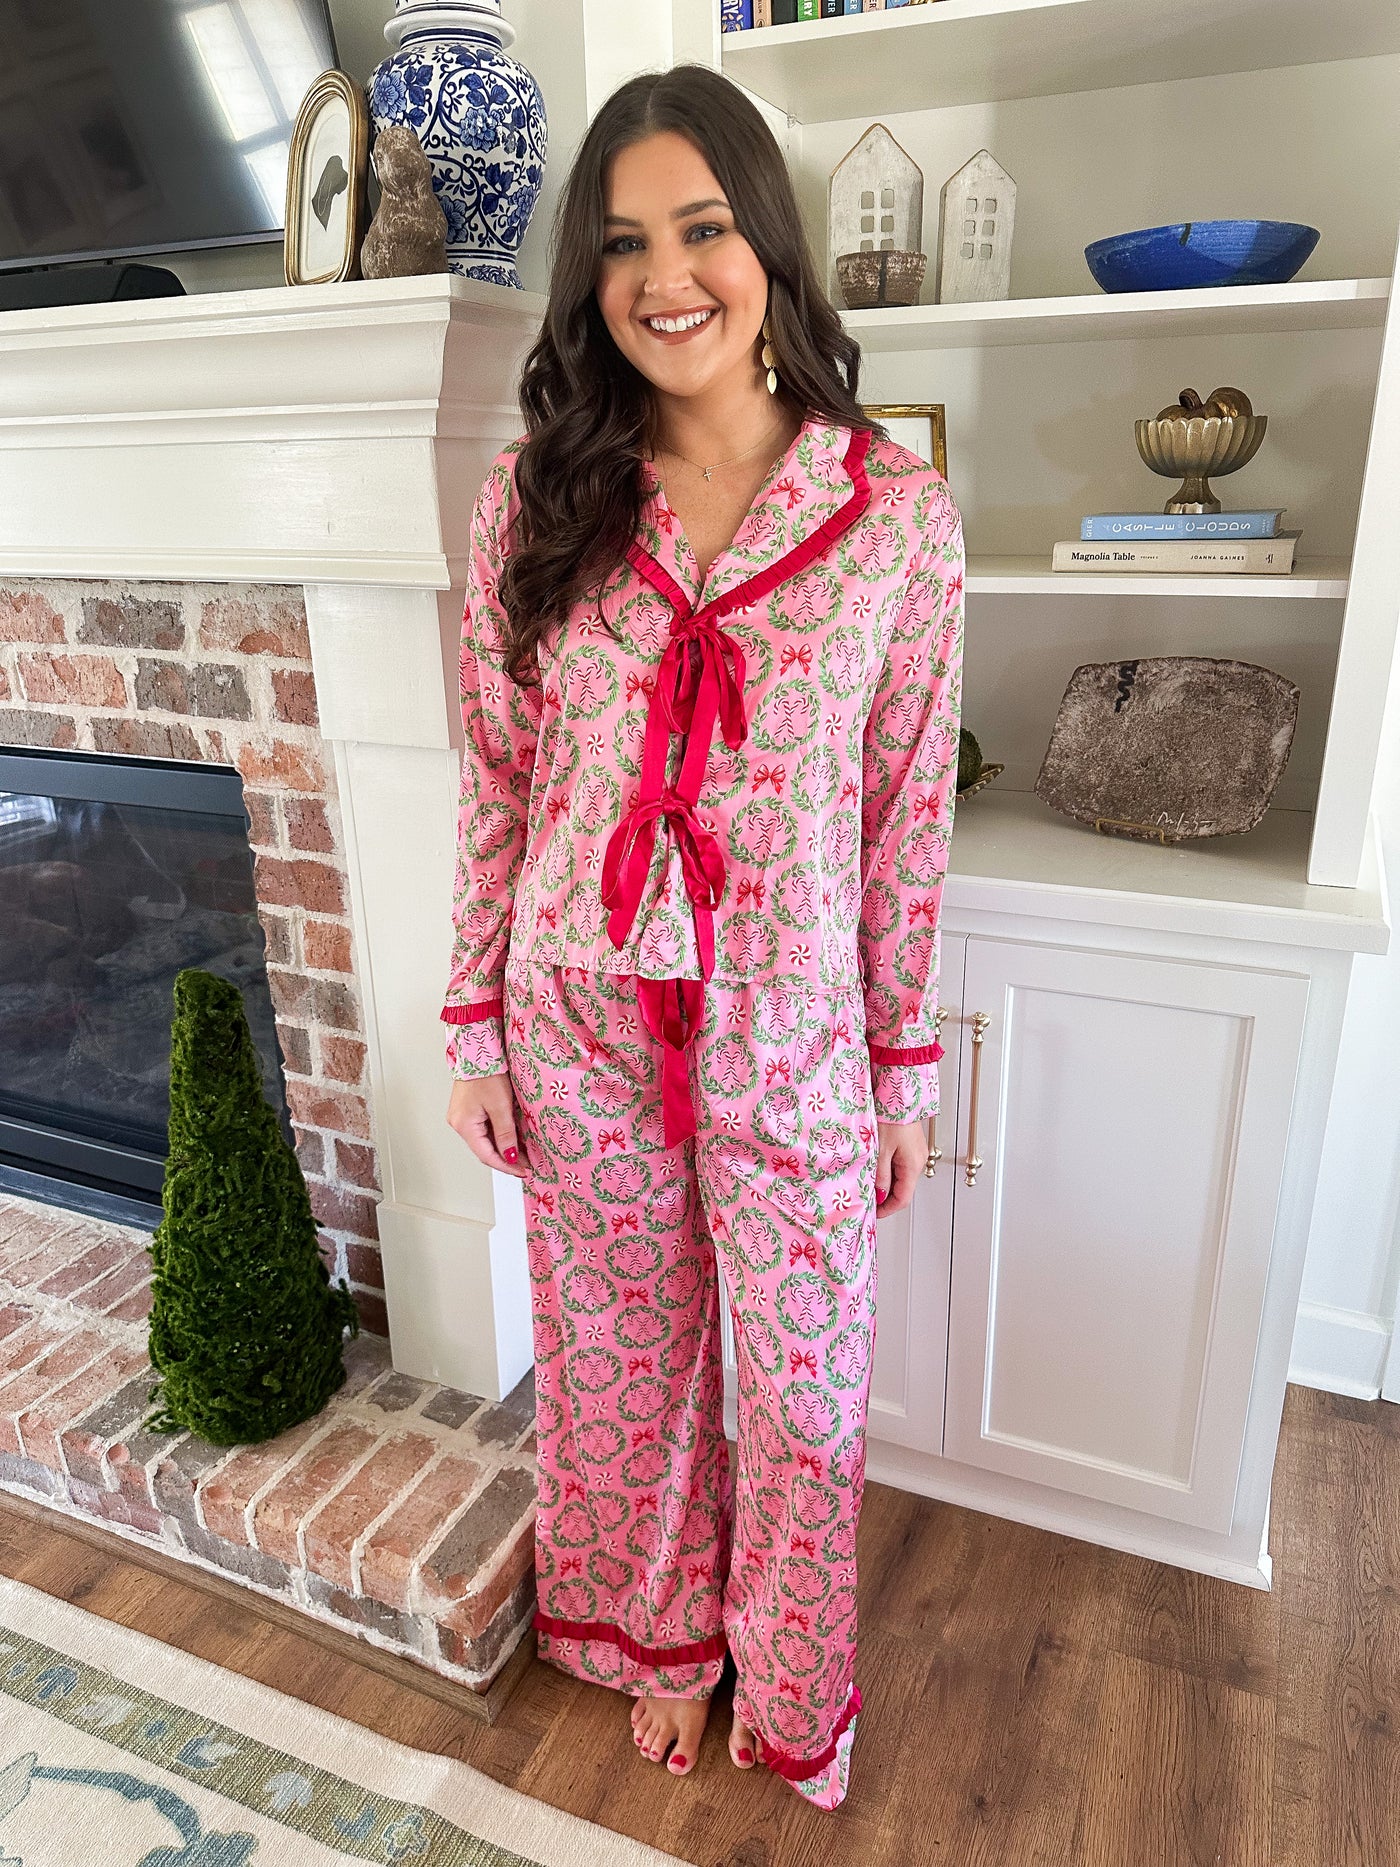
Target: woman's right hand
x: 483, y: 1113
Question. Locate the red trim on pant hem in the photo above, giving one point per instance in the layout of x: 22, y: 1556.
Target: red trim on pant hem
x: 799, y: 1769
x: 691, y: 1652
x: 472, y: 1014
x: 923, y: 1053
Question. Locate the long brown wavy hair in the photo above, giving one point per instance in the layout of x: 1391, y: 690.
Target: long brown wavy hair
x: 588, y: 411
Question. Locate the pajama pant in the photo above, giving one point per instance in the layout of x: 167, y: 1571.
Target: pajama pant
x: 653, y: 1556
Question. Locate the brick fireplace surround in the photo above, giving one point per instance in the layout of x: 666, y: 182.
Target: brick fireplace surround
x: 404, y: 1510
x: 224, y: 674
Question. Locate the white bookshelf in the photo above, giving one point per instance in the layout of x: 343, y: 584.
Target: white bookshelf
x: 1103, y: 317
x: 1031, y: 575
x: 1254, y: 886
x: 988, y: 51
x: 1115, y: 114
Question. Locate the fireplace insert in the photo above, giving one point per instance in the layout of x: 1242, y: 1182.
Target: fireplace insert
x: 114, y: 874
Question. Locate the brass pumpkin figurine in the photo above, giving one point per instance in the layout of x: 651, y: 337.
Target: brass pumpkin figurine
x: 1195, y: 439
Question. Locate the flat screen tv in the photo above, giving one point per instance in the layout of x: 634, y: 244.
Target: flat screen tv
x: 149, y: 126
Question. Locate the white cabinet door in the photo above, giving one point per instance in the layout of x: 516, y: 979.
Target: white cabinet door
x: 1111, y: 1252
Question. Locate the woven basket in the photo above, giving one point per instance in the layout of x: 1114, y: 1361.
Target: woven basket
x: 891, y: 276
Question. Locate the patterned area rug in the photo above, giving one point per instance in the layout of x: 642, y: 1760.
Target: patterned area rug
x: 119, y: 1751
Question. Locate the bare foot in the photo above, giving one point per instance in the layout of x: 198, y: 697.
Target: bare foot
x: 659, y: 1722
x: 741, y: 1744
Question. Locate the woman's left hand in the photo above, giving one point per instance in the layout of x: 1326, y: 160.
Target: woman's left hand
x: 903, y: 1157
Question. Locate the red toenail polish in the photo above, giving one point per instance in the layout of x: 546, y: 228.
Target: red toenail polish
x: 680, y: 1761
x: 746, y: 1756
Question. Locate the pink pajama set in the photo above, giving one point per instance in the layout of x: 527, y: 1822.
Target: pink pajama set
x: 696, y: 918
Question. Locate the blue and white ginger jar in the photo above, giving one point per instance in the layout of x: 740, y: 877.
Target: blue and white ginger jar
x: 479, y: 115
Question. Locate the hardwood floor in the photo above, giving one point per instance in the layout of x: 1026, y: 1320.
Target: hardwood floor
x: 1031, y: 1700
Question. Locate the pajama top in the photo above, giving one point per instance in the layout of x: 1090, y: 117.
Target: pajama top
x: 753, y: 783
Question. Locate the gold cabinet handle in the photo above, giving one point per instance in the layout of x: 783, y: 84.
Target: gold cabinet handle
x: 935, y: 1153
x: 980, y: 1021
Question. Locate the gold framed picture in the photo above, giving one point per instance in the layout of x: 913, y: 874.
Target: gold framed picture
x: 919, y: 426
x: 326, y: 183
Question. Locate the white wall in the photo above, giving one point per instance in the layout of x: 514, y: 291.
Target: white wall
x: 1347, y: 1339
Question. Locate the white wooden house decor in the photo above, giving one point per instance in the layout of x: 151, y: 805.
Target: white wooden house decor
x: 976, y: 216
x: 876, y: 198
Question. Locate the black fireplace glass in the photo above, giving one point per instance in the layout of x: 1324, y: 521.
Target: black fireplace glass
x: 115, y: 873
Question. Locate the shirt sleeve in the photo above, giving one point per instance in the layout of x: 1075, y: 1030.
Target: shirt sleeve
x: 500, y: 723
x: 910, y: 774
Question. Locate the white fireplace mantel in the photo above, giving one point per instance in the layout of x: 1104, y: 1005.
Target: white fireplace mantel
x: 332, y: 437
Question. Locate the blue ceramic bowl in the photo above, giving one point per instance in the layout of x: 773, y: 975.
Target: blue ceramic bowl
x: 1201, y: 252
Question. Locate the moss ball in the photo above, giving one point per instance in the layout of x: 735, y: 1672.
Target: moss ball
x: 969, y: 758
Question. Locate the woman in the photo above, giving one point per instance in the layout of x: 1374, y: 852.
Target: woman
x: 710, y: 684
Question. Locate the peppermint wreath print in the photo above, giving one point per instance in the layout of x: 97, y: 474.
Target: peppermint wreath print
x: 652, y: 1556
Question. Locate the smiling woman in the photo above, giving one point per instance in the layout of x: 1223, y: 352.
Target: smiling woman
x: 678, y: 200
x: 710, y: 681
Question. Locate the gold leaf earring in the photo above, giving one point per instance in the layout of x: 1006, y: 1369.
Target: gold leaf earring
x: 769, y: 359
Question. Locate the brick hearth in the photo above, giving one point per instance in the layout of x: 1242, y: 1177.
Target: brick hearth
x: 403, y: 1512
x: 223, y: 673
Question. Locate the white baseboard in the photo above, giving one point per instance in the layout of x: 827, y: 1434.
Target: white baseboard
x: 1343, y: 1352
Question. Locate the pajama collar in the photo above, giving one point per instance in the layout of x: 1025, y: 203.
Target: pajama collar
x: 818, y: 477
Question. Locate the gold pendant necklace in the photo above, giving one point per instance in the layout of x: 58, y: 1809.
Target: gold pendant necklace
x: 707, y: 471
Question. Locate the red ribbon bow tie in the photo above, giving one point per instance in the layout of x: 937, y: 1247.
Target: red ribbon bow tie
x: 639, y: 1364
x: 678, y: 679
x: 627, y: 860
x: 802, y: 1358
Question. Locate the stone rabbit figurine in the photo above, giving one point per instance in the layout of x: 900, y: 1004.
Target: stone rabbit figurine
x: 408, y: 234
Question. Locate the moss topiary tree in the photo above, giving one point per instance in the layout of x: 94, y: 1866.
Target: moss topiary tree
x: 245, y: 1329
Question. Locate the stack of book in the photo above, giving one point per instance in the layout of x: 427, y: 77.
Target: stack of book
x: 1194, y: 542
x: 743, y: 15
